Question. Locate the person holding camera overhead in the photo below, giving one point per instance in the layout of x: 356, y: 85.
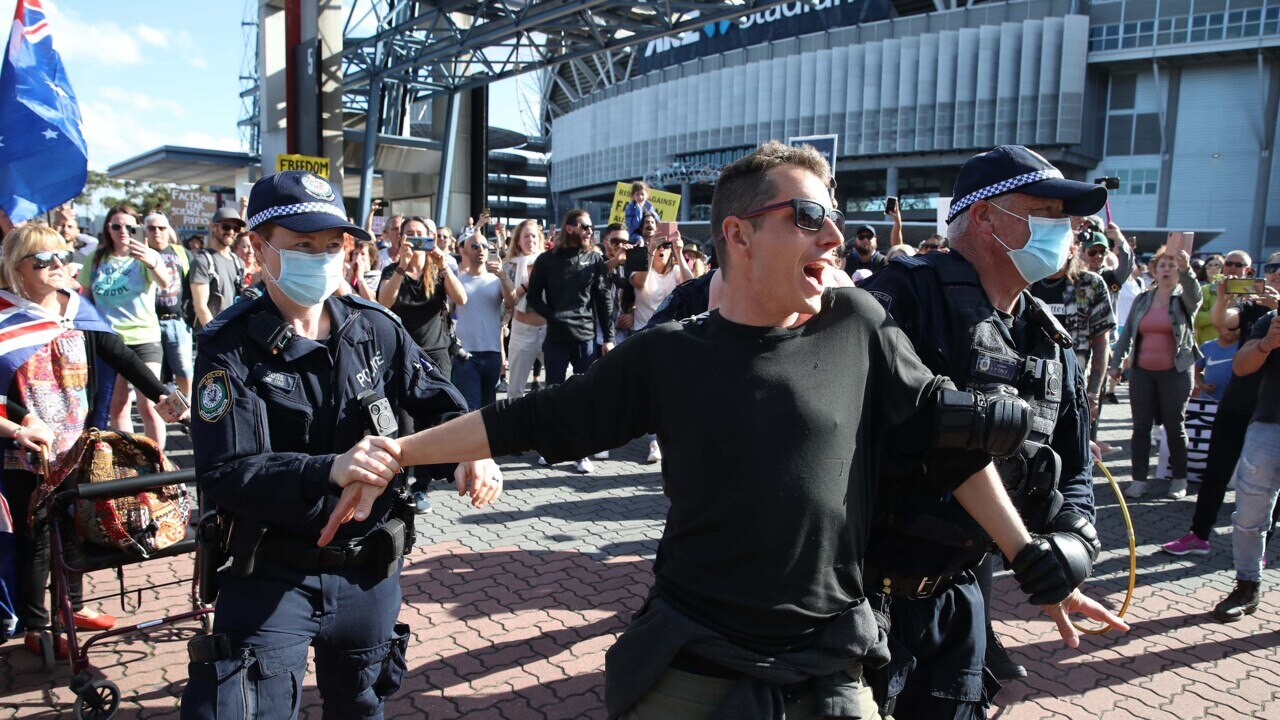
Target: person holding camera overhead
x: 416, y: 289
x: 121, y: 280
x: 286, y: 383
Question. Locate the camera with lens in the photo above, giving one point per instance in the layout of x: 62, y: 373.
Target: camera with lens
x: 382, y: 419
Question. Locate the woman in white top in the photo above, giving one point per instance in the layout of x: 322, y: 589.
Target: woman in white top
x: 528, y: 328
x: 667, y: 269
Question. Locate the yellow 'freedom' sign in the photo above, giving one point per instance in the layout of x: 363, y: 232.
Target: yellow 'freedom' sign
x: 317, y: 165
x: 666, y: 203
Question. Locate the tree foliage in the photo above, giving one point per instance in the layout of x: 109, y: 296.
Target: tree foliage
x: 105, y: 192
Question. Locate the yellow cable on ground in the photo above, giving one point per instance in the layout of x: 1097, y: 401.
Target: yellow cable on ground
x: 1133, y: 556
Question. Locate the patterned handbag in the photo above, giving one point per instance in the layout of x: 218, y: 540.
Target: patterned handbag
x: 138, y: 524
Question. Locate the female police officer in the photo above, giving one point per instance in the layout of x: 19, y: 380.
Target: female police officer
x: 285, y: 380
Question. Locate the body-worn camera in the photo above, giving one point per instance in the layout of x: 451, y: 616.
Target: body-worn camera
x: 382, y: 420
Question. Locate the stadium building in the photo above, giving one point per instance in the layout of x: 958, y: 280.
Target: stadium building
x: 1176, y: 98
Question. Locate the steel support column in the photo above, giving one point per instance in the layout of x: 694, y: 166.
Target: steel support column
x: 446, y: 159
x: 372, y: 122
x: 479, y: 126
x: 1269, y: 75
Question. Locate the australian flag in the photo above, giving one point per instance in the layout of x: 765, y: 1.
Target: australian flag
x: 43, y: 160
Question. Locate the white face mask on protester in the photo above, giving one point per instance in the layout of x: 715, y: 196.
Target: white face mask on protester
x: 306, y: 278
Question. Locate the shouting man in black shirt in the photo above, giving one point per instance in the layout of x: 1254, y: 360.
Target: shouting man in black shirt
x: 758, y: 607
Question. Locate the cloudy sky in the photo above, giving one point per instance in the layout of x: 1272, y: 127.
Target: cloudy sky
x: 157, y: 72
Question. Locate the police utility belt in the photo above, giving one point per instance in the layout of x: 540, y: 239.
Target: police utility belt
x: 909, y: 586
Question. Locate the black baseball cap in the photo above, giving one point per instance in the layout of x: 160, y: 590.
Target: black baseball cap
x: 299, y: 201
x: 1014, y: 168
x: 864, y: 230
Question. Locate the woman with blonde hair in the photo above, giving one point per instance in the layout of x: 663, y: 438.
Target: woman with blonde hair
x: 528, y: 328
x: 56, y: 375
x: 1161, y: 330
x: 121, y: 280
x: 417, y: 288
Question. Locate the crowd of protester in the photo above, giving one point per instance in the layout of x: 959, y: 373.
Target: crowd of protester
x: 498, y: 309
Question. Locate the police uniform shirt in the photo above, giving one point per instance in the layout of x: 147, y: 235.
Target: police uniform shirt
x: 266, y: 427
x: 916, y: 299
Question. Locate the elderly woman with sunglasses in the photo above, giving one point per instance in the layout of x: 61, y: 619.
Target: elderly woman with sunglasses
x: 55, y: 386
x: 121, y: 280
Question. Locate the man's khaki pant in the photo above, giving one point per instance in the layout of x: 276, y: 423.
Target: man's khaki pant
x: 679, y: 695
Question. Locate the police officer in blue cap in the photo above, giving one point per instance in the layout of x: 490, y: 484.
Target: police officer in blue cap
x: 285, y: 383
x: 970, y: 317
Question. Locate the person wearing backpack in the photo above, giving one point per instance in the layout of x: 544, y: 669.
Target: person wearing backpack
x: 217, y: 275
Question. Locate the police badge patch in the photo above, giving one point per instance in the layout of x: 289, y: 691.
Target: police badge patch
x: 213, y: 396
x: 317, y: 188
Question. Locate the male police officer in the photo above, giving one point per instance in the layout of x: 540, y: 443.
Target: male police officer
x: 970, y: 317
x: 284, y: 381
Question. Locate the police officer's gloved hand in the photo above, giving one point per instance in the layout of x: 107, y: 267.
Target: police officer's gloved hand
x: 1075, y: 524
x: 995, y: 423
x: 1051, y: 566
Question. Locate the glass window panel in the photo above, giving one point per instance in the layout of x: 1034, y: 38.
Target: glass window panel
x: 1146, y: 134
x: 1120, y: 135
x: 1123, y: 90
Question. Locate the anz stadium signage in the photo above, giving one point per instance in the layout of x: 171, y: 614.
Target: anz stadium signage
x: 777, y: 23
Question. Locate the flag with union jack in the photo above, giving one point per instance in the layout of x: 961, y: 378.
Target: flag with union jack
x: 43, y: 156
x: 25, y: 328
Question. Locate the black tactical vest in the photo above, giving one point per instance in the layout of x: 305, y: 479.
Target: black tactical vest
x: 980, y: 354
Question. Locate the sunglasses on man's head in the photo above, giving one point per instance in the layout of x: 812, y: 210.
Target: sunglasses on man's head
x: 45, y: 258
x: 127, y: 227
x: 808, y: 214
x: 156, y: 228
x: 1271, y: 268
x: 930, y: 246
x: 1234, y: 264
x: 229, y: 227
x: 1095, y: 251
x: 584, y: 226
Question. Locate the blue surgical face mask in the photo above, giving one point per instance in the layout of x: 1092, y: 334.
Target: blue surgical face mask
x: 1046, y: 250
x: 306, y: 278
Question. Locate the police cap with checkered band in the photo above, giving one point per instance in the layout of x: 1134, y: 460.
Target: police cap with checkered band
x: 1014, y: 168
x: 299, y: 201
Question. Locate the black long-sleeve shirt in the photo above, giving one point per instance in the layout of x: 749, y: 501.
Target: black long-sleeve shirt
x: 570, y: 288
x: 767, y: 461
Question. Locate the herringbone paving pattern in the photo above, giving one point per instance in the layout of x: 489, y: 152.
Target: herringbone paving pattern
x: 513, y: 609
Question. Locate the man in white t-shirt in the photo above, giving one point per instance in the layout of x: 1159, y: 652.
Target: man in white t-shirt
x: 479, y: 326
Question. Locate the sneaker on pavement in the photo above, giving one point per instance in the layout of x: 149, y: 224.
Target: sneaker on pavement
x: 1136, y: 489
x: 601, y: 455
x: 655, y: 452
x: 584, y: 466
x: 1188, y: 544
x: 421, y: 505
x: 1177, y: 488
x: 1242, y: 601
x: 1005, y: 668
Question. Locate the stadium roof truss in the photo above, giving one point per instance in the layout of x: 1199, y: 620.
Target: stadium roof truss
x: 422, y: 48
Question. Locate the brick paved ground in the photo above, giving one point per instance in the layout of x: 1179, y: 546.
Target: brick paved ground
x: 513, y: 609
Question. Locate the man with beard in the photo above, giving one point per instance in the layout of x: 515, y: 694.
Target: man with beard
x: 865, y: 254
x: 569, y: 286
